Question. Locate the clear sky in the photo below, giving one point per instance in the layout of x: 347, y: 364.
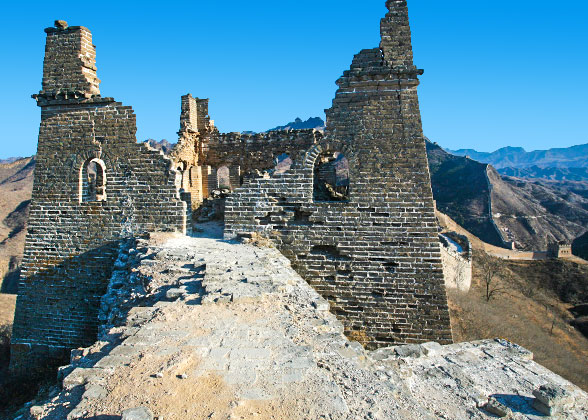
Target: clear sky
x: 497, y: 73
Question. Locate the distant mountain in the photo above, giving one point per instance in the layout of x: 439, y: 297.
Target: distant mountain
x: 9, y: 160
x: 163, y: 145
x: 552, y: 173
x: 316, y: 123
x: 499, y: 209
x: 517, y: 157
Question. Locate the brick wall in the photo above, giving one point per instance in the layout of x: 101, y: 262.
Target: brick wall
x: 72, y: 240
x: 202, y: 150
x: 376, y: 256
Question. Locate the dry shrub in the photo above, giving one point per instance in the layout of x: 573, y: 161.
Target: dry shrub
x: 527, y: 313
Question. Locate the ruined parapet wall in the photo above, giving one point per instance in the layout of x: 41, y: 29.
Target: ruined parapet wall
x: 457, y: 261
x: 208, y: 160
x: 93, y: 185
x: 187, y: 153
x: 376, y: 255
x: 256, y: 151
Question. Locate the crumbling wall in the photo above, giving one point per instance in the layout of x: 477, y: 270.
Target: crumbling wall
x: 374, y: 255
x: 195, y: 124
x: 456, y: 255
x: 252, y: 152
x: 208, y: 160
x: 72, y: 239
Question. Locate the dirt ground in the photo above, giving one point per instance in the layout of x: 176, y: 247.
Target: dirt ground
x: 7, y: 303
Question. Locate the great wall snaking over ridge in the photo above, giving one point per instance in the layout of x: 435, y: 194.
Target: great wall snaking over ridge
x: 353, y: 212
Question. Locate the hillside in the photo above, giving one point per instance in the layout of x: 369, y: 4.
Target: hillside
x: 16, y: 183
x: 551, y: 173
x: 461, y: 190
x: 163, y: 145
x: 531, y: 213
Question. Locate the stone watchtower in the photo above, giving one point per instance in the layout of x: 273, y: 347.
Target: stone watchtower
x: 364, y: 236
x: 93, y: 186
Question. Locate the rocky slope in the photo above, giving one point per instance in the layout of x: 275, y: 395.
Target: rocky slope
x: 500, y: 209
x: 200, y: 328
x: 16, y: 184
x: 462, y: 191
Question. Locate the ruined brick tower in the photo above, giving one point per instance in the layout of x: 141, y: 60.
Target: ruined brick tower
x: 93, y: 185
x: 365, y: 237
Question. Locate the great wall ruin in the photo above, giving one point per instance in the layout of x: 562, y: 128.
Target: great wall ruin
x: 353, y: 213
x: 373, y: 253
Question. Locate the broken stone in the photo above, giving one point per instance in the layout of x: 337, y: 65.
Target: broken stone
x: 551, y: 399
x: 36, y: 412
x: 173, y: 294
x: 61, y: 24
x: 139, y: 413
x: 432, y: 348
x: 95, y: 392
x: 411, y: 350
x: 495, y: 407
x: 321, y: 305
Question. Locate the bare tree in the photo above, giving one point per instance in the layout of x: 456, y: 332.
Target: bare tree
x: 491, y: 270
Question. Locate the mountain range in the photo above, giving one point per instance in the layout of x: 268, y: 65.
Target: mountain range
x: 316, y: 123
x: 569, y: 163
x: 531, y: 213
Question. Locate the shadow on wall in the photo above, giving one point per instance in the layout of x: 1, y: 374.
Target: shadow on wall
x: 70, y: 291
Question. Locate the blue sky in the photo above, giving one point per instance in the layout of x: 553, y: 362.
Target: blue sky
x: 497, y: 73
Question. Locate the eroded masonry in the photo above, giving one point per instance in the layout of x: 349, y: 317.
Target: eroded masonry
x: 351, y: 208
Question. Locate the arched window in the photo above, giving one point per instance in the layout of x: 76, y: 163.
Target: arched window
x: 223, y: 178
x: 283, y: 163
x: 92, y: 183
x: 331, y: 177
x: 180, y: 177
